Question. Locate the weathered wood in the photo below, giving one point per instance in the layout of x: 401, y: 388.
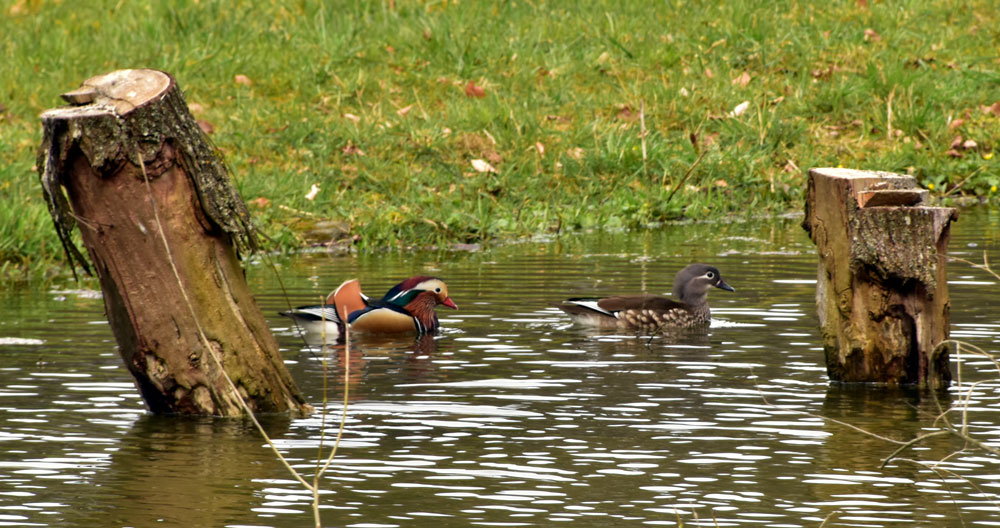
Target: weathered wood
x: 132, y: 168
x: 881, y: 294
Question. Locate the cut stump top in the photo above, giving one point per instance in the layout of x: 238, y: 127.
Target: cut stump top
x: 121, y: 91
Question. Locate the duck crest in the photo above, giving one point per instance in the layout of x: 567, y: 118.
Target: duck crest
x: 399, y: 292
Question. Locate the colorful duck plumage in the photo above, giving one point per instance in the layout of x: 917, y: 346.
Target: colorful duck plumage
x: 687, y: 309
x: 407, y: 307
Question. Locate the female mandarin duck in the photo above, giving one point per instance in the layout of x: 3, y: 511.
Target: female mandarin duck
x: 407, y: 308
x: 687, y: 309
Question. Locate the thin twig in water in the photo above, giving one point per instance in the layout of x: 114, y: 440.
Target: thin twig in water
x: 911, y: 443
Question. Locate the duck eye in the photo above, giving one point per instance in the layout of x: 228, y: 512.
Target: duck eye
x: 710, y: 275
x: 437, y: 290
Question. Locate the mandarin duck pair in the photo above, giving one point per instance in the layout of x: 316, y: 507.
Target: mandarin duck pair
x: 408, y: 308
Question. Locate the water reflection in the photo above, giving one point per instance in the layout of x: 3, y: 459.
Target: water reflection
x: 512, y: 416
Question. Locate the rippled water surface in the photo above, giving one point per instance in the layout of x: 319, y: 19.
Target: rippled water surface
x: 512, y: 416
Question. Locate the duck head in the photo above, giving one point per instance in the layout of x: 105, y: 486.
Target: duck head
x: 403, y: 293
x: 692, y: 283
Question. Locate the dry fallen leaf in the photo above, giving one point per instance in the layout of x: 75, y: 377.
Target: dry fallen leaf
x: 540, y: 148
x: 957, y: 142
x: 352, y: 117
x: 242, y: 79
x: 405, y: 110
x: 956, y: 123
x: 575, y: 153
x: 969, y: 144
x: 482, y: 166
x: 194, y: 107
x: 742, y: 80
x: 260, y: 202
x: 740, y: 109
x: 350, y: 149
x: 205, y: 126
x: 708, y: 73
x: 313, y: 191
x: 626, y: 113
x: 474, y: 90
x: 721, y: 183
x: 872, y: 36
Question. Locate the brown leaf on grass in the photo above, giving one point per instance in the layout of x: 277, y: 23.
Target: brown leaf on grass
x: 352, y: 118
x: 540, y: 148
x: 956, y: 123
x: 863, y: 4
x: 195, y: 108
x: 969, y: 144
x: 474, y: 90
x: 872, y: 36
x: 625, y: 113
x: 575, y: 153
x: 708, y: 73
x: 721, y: 183
x: 482, y: 166
x: 957, y: 142
x: 954, y: 153
x: 993, y: 109
x: 742, y: 80
x: 205, y: 126
x: 351, y: 150
x: 405, y: 110
x: 260, y: 202
x: 390, y: 50
x: 242, y: 79
x: 790, y: 167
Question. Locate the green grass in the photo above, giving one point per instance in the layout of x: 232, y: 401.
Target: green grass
x: 571, y: 77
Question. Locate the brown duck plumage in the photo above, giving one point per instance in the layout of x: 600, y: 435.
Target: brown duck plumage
x: 687, y: 309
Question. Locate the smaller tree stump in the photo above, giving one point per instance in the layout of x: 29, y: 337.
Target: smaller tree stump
x: 162, y: 224
x: 881, y: 291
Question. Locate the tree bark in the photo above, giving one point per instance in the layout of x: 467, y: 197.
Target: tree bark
x: 882, y: 292
x: 162, y: 223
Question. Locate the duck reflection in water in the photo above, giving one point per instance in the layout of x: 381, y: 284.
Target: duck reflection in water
x: 410, y: 357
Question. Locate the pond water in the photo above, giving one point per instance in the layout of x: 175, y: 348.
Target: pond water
x: 512, y: 416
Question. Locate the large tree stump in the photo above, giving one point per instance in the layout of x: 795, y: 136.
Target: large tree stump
x: 882, y: 293
x: 160, y: 219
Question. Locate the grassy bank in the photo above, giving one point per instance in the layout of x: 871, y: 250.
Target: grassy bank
x: 586, y: 114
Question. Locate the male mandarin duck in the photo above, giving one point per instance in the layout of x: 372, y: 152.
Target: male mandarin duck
x: 406, y: 308
x: 687, y: 309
